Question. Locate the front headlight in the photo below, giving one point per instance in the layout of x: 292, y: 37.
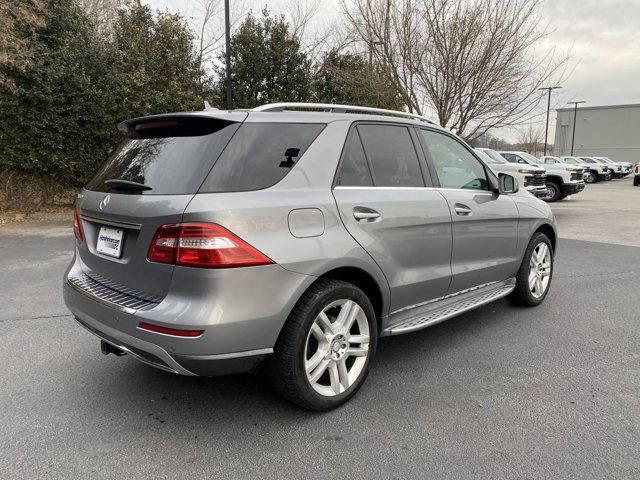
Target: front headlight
x: 525, y: 171
x: 569, y: 169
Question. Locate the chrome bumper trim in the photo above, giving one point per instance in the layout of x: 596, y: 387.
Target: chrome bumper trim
x: 227, y: 356
x: 98, y: 299
x: 102, y: 221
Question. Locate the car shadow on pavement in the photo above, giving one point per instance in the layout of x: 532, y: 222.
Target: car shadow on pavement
x: 247, y: 400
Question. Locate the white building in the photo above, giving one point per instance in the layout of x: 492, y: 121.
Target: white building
x: 610, y: 131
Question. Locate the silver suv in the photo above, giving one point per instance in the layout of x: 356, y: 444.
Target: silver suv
x: 216, y: 242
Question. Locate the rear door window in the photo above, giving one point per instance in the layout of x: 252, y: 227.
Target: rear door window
x: 170, y: 156
x: 260, y: 155
x: 392, y: 155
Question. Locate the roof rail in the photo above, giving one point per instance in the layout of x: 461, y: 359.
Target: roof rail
x: 336, y: 108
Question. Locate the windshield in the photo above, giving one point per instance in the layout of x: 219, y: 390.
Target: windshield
x: 494, y: 156
x: 529, y: 157
x: 579, y: 160
x: 484, y: 154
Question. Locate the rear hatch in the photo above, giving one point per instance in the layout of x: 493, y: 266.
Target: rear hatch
x: 147, y: 182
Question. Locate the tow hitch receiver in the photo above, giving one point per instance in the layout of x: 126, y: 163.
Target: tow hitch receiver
x: 106, y: 348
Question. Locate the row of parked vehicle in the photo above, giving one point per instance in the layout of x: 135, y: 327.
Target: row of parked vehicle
x: 555, y: 178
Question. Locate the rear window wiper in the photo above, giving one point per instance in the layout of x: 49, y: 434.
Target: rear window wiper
x: 118, y: 184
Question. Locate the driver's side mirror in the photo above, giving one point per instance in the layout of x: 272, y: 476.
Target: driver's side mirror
x: 507, y: 183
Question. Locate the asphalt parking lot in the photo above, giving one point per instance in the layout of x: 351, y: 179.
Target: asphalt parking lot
x: 500, y: 392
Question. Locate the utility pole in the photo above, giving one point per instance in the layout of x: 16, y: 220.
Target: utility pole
x: 227, y: 34
x: 546, y: 130
x: 575, y: 114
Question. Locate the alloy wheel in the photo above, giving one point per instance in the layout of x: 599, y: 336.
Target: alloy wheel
x: 337, y: 347
x: 551, y: 192
x: 540, y: 266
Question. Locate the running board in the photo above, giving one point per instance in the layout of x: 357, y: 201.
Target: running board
x: 436, y: 311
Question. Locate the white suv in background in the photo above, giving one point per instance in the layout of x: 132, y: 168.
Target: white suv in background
x: 531, y: 177
x: 562, y: 180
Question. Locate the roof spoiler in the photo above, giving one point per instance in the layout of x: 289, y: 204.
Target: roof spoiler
x: 135, y: 127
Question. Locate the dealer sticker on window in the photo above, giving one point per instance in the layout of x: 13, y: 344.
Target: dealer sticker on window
x: 110, y: 241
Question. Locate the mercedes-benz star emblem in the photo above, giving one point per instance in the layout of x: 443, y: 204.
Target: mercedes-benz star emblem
x: 105, y: 201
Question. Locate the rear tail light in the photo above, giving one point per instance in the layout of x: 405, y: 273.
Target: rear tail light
x: 77, y: 225
x: 637, y: 168
x: 204, y: 245
x: 169, y: 331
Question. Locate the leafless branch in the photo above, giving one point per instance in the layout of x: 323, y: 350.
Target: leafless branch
x: 472, y: 63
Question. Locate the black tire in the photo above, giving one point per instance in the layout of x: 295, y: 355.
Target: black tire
x: 554, y: 192
x: 636, y: 181
x: 591, y: 178
x: 286, y: 367
x: 522, y: 294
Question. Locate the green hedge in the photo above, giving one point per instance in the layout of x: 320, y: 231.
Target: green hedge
x: 62, y: 120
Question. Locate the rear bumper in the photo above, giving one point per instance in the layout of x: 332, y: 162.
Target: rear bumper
x: 190, y: 365
x: 241, y: 316
x: 572, y: 188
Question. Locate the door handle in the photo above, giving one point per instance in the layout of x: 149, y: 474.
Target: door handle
x: 365, y: 214
x: 463, y: 210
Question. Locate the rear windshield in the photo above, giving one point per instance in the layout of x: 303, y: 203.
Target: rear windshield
x: 260, y: 155
x: 169, y: 157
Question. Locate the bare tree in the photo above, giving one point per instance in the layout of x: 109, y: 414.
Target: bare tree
x: 300, y: 13
x: 210, y: 27
x: 530, y: 138
x: 316, y: 36
x: 19, y: 20
x: 472, y: 63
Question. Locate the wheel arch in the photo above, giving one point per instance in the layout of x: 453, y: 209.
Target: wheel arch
x: 555, y: 179
x: 550, y: 232
x: 365, y: 282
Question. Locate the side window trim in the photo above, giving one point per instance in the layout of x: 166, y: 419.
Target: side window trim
x: 427, y: 156
x: 366, y: 156
x: 427, y: 175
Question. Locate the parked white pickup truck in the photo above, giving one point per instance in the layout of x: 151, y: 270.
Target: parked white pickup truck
x: 562, y: 180
x: 531, y: 177
x: 621, y: 169
x: 592, y: 172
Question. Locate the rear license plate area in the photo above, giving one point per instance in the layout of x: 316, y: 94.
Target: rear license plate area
x: 110, y: 241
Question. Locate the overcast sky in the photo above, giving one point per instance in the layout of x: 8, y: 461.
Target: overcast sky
x: 603, y: 36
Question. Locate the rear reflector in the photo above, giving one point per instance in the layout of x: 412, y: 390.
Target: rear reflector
x: 203, y: 245
x: 169, y: 331
x: 77, y: 226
